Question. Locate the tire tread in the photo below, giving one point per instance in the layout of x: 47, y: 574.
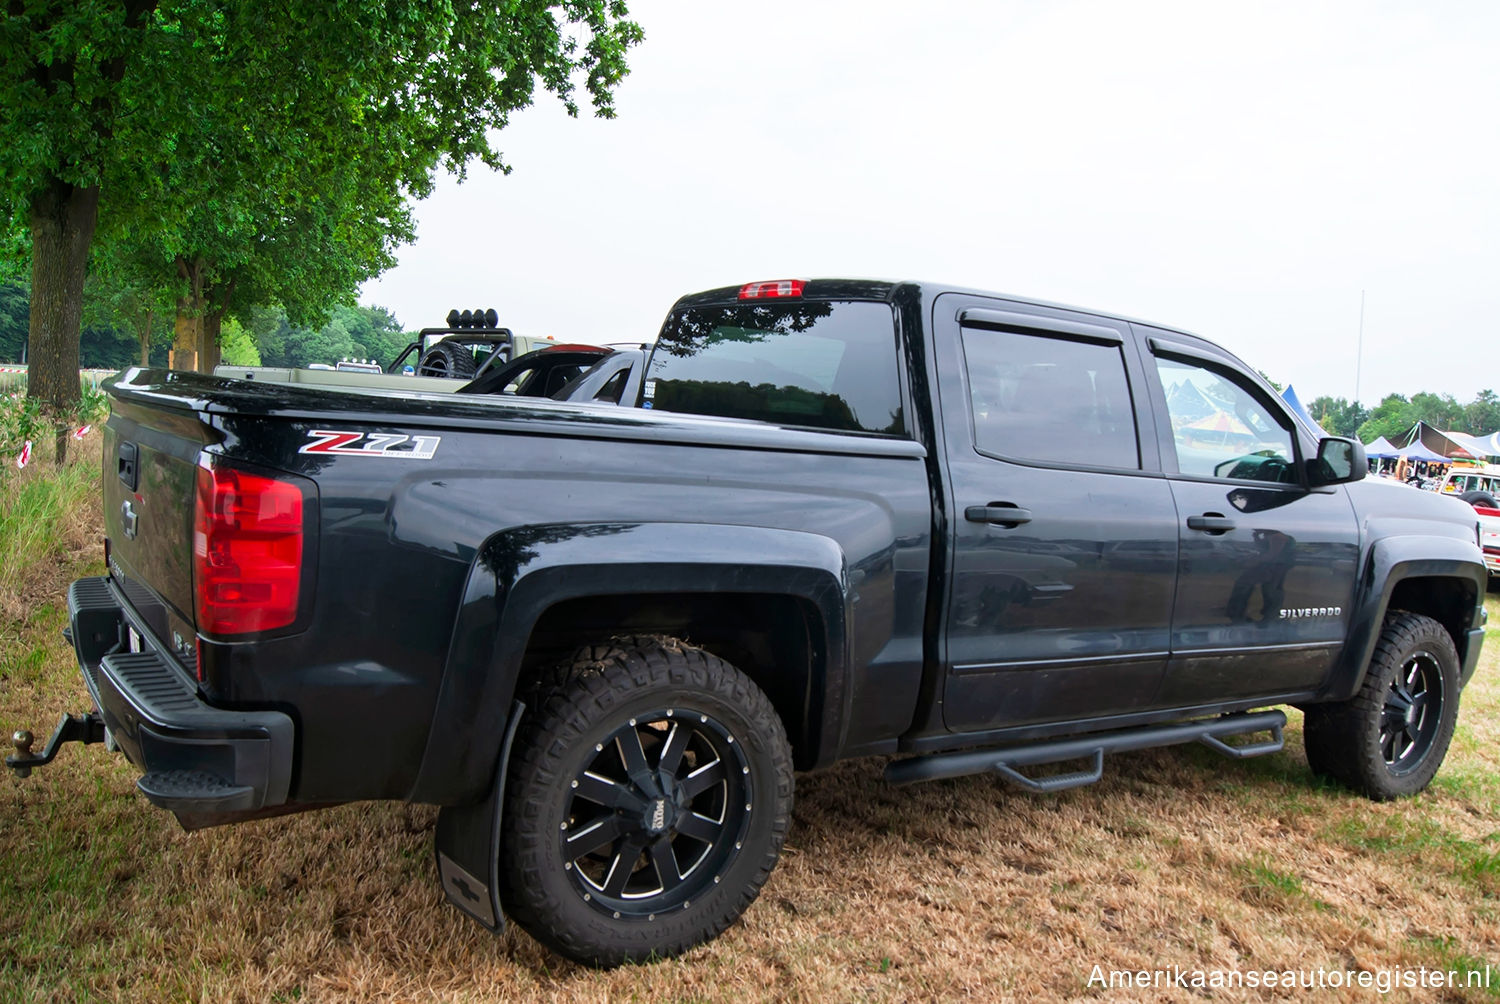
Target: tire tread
x: 562, y: 704
x: 1337, y: 737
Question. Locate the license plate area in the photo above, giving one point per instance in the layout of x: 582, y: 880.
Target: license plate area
x: 133, y: 641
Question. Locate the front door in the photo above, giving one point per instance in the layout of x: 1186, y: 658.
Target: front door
x: 1063, y: 533
x: 1267, y: 566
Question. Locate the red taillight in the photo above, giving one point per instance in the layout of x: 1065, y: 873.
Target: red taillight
x: 247, y: 551
x: 772, y: 289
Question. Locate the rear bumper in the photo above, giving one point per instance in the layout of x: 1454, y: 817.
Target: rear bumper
x: 195, y: 757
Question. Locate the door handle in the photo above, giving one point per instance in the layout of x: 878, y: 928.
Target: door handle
x: 128, y: 465
x: 1210, y: 522
x: 998, y: 513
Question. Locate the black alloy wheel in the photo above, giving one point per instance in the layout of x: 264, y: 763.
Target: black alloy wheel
x: 656, y: 814
x: 647, y: 800
x: 1412, y: 713
x: 1390, y: 738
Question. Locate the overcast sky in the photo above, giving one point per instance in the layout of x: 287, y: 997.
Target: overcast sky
x: 1242, y: 171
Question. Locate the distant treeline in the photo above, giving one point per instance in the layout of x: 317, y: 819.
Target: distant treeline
x: 264, y: 336
x: 1396, y: 414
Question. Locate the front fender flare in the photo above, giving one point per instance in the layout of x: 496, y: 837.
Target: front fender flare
x: 1391, y: 561
x: 519, y: 573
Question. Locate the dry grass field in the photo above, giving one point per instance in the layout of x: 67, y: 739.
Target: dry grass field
x: 964, y: 889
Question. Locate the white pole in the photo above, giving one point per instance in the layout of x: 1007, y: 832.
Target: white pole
x: 1360, y: 350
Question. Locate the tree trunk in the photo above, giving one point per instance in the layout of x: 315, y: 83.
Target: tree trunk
x: 213, y: 324
x: 187, y: 331
x: 144, y: 333
x: 208, y: 357
x: 62, y: 228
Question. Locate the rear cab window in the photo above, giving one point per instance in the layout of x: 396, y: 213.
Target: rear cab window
x: 828, y: 365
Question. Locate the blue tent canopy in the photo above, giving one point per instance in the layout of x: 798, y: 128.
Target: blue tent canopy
x: 1380, y: 448
x: 1290, y: 397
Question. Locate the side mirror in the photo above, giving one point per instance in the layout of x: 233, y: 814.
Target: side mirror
x: 1339, y: 461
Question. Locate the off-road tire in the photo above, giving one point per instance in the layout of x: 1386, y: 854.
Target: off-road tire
x: 577, y: 728
x: 448, y: 359
x: 1368, y: 743
x: 1478, y: 497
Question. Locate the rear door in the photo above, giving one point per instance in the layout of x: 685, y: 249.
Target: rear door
x: 1267, y: 566
x: 1062, y: 530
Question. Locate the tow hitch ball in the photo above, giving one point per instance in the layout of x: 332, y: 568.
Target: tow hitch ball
x: 85, y: 729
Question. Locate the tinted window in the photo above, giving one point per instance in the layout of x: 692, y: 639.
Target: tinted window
x: 1221, y: 430
x: 613, y: 388
x: 1050, y: 399
x: 826, y: 365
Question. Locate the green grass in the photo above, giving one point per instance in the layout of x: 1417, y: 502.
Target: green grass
x: 1446, y: 953
x: 961, y: 889
x: 1265, y: 883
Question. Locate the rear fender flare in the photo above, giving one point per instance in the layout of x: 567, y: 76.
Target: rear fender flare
x: 519, y: 573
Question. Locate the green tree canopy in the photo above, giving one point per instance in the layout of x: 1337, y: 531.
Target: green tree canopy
x: 1482, y: 415
x: 239, y: 345
x: 15, y: 306
x: 109, y: 338
x: 351, y: 332
x: 1390, y: 418
x: 1440, y: 411
x: 240, y: 142
x: 1394, y: 417
x: 1337, y: 416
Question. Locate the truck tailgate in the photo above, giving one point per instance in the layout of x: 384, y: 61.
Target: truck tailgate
x: 151, y: 455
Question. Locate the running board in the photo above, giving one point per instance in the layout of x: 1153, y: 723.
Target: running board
x: 1210, y: 732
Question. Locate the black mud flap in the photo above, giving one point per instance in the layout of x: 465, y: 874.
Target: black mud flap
x: 468, y: 845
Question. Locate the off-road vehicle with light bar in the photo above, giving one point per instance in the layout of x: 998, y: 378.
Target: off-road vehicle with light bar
x: 834, y: 518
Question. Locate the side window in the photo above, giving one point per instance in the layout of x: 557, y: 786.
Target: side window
x: 1221, y: 430
x: 515, y: 385
x: 1050, y: 399
x: 613, y: 388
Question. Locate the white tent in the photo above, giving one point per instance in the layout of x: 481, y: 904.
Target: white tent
x: 1477, y: 447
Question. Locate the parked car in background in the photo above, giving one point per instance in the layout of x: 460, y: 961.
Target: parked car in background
x: 614, y: 379
x: 1489, y: 537
x: 541, y: 373
x: 470, y: 341
x: 1477, y: 485
x: 358, y: 366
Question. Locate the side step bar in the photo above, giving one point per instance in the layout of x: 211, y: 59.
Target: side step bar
x: 1210, y: 732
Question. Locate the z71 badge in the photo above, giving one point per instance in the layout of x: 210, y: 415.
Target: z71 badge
x: 372, y: 444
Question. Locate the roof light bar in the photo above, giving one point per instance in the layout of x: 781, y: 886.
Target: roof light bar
x: 480, y: 318
x: 772, y: 289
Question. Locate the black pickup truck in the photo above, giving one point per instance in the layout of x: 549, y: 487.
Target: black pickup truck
x: 832, y: 518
